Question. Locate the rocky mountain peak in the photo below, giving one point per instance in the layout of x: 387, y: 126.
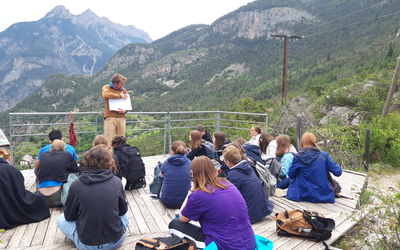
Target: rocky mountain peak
x: 59, y: 11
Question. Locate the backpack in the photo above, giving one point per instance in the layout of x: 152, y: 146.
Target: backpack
x: 171, y: 242
x: 274, y: 168
x: 267, y: 179
x: 211, y: 153
x: 131, y: 165
x: 158, y: 180
x: 304, y: 224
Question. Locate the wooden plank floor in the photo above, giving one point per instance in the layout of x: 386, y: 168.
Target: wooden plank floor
x: 149, y: 218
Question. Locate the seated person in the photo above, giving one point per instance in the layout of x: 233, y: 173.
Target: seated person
x: 18, y: 206
x: 219, y: 208
x: 55, y: 135
x: 220, y: 143
x: 246, y: 181
x: 285, y: 158
x: 255, y: 132
x: 53, y: 170
x: 102, y: 141
x: 196, y: 147
x: 95, y: 212
x: 177, y: 180
x: 309, y: 171
x: 267, y: 147
x: 205, y: 135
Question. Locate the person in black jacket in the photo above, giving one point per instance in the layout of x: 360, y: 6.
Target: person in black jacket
x: 18, y: 206
x: 196, y: 147
x: 53, y: 170
x: 205, y: 135
x: 95, y: 210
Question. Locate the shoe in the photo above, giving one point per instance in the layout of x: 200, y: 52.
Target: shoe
x: 280, y: 192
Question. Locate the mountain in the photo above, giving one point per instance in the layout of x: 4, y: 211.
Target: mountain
x: 58, y: 43
x: 209, y: 67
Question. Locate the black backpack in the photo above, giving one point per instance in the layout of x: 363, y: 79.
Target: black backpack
x: 131, y: 165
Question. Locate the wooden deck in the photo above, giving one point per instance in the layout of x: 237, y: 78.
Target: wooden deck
x: 149, y: 218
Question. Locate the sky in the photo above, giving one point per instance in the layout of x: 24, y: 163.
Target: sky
x: 156, y: 17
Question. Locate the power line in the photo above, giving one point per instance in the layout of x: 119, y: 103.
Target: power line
x: 352, y: 24
x: 302, y: 31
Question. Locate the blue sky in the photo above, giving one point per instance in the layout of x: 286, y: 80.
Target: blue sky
x: 156, y: 17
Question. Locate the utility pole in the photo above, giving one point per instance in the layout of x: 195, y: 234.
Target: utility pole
x: 285, y: 62
x: 391, y: 90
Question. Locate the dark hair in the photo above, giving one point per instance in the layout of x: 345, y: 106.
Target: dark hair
x: 265, y: 139
x: 54, y: 135
x: 98, y: 158
x: 200, y: 128
x: 219, y: 140
x: 178, y: 147
x: 118, y: 140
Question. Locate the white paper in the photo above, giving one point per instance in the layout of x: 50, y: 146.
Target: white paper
x: 124, y: 104
x: 3, y: 139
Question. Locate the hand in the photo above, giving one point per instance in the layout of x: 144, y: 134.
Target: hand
x: 121, y: 111
x: 124, y: 96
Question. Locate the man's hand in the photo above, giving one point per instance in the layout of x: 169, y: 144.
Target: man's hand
x: 120, y: 110
x: 124, y: 96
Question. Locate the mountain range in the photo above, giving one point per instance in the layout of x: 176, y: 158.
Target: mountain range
x: 210, y: 67
x: 58, y: 43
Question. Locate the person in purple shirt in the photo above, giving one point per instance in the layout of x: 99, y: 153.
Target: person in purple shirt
x: 219, y: 208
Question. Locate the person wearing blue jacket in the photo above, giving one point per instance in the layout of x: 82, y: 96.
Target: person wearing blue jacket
x: 246, y: 181
x: 177, y: 180
x: 309, y: 173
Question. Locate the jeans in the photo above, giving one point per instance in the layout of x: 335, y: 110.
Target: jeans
x: 69, y: 229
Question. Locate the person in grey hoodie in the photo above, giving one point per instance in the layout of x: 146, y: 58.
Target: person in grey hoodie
x: 244, y: 178
x: 95, y: 211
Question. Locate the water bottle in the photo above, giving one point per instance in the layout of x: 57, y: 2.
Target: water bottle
x: 304, y: 231
x: 177, y: 214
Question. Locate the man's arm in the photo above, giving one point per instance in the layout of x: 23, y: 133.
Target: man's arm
x: 107, y: 94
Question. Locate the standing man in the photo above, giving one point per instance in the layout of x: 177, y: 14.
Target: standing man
x: 114, y: 120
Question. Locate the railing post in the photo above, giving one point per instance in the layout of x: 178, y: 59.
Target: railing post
x: 169, y: 130
x: 298, y: 129
x: 217, y: 122
x: 166, y: 127
x: 367, y: 148
x: 11, y: 144
x: 266, y: 124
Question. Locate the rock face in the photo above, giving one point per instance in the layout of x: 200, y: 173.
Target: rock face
x: 58, y: 43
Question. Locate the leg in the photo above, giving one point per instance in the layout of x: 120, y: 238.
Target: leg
x: 109, y: 128
x: 193, y: 232
x: 120, y: 126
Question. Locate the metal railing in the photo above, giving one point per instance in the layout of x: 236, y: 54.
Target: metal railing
x: 152, y: 132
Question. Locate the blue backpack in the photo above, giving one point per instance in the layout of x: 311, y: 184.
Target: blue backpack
x: 158, y: 180
x: 211, y: 153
